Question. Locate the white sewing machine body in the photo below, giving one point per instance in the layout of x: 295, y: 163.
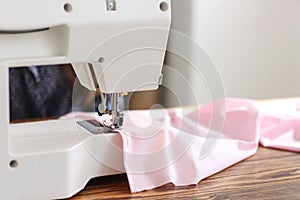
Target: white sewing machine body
x: 121, y: 39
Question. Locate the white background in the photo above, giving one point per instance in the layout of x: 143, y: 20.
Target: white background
x: 255, y: 45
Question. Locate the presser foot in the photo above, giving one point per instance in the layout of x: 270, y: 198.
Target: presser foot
x: 117, y: 116
x: 115, y: 122
x: 95, y: 127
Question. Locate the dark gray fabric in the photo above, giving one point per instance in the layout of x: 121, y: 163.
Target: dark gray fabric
x: 39, y: 92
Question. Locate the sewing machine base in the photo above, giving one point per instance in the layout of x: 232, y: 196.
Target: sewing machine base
x: 55, y: 159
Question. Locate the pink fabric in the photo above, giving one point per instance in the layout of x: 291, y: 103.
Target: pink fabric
x: 185, y: 145
x: 280, y: 124
x: 185, y: 148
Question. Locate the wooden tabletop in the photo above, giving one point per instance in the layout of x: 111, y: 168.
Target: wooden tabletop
x: 269, y: 174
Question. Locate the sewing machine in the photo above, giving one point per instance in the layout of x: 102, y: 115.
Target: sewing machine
x: 119, y: 43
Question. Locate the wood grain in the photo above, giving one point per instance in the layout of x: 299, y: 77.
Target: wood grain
x: 269, y: 174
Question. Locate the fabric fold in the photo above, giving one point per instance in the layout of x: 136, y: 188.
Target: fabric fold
x: 280, y: 124
x: 172, y: 152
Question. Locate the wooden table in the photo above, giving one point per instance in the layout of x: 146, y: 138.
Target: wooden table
x: 269, y: 174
